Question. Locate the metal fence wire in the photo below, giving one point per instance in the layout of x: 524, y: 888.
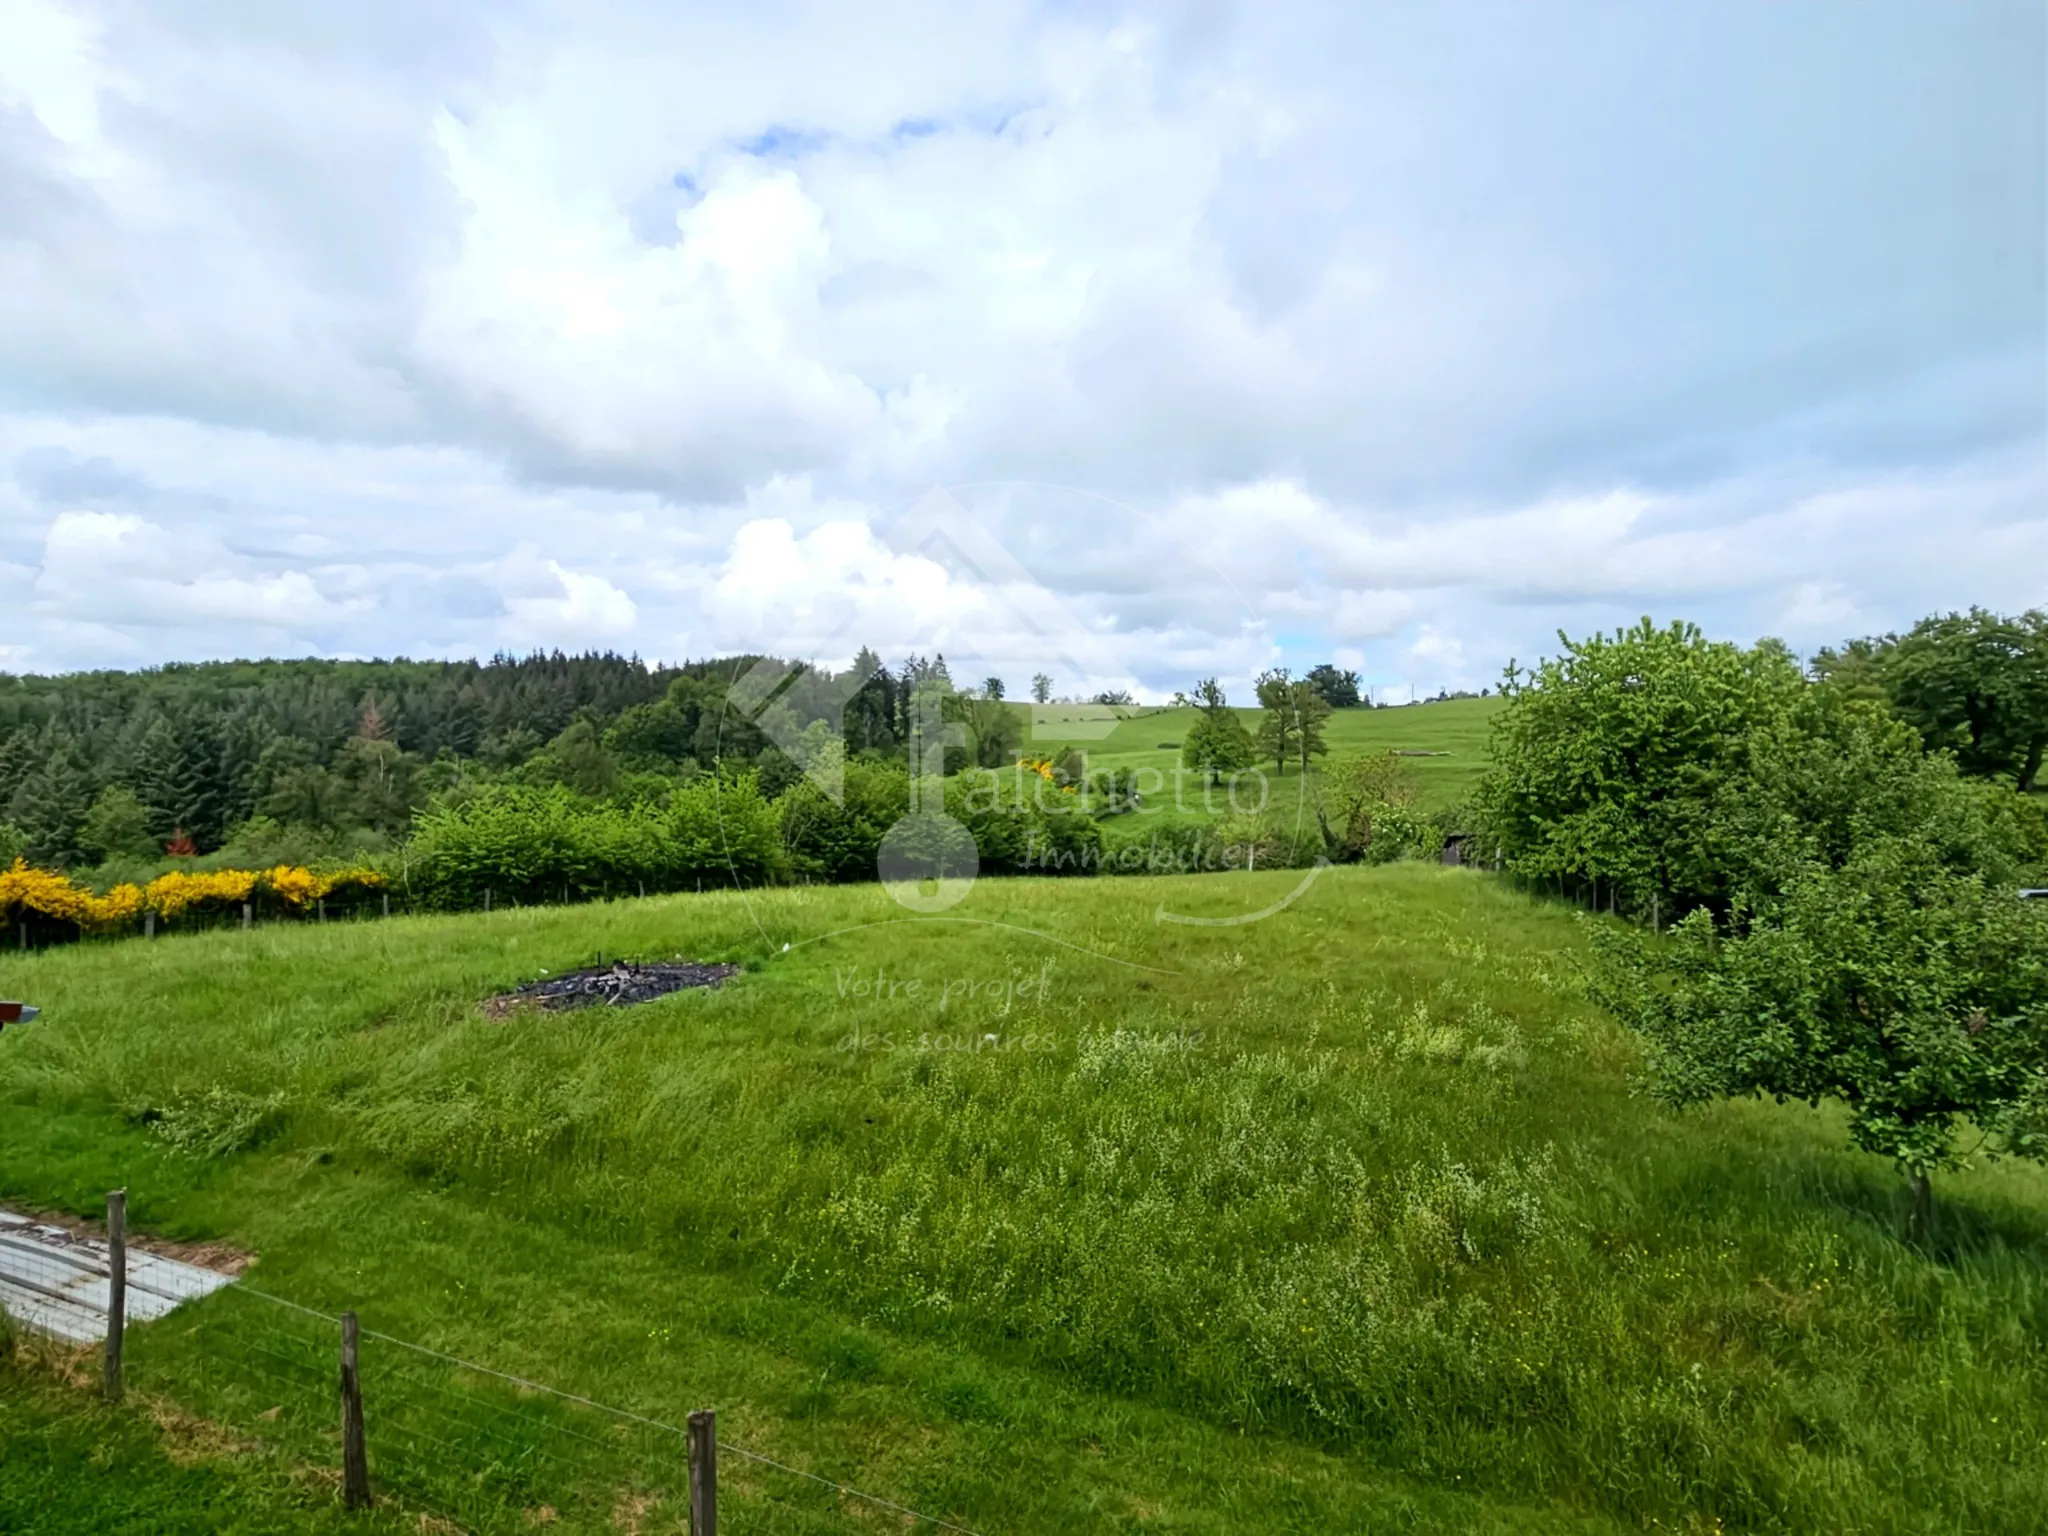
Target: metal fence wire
x: 466, y: 1446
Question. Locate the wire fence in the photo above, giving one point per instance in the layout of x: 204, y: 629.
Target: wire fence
x: 466, y: 1446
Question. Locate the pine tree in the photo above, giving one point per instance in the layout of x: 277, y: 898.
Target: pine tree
x: 177, y: 778
x: 19, y: 755
x: 51, y: 802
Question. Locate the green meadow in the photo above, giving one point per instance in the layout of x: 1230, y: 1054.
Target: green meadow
x: 1055, y: 1215
x: 1442, y: 754
x: 1444, y: 744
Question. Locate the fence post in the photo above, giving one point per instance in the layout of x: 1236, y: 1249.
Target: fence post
x: 149, y: 925
x: 387, y: 903
x: 704, y: 1473
x: 487, y: 898
x: 248, y: 914
x: 117, y: 1288
x: 355, y: 1461
x: 321, y: 903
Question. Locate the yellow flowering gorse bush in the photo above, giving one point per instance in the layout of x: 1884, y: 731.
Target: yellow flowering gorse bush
x: 26, y: 892
x: 1045, y: 769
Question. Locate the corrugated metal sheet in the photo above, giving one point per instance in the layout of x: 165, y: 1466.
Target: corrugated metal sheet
x: 55, y: 1281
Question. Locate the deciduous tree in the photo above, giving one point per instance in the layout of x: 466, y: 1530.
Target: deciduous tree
x: 1912, y: 993
x: 1311, y: 719
x: 1277, y: 725
x: 1217, y: 743
x: 1339, y: 688
x: 1975, y: 684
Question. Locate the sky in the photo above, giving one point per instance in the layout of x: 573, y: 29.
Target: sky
x: 1397, y: 335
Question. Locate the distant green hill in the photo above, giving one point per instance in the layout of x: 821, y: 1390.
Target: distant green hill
x: 1453, y: 735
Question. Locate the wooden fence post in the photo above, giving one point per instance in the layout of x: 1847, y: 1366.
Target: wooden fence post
x: 248, y: 914
x: 704, y: 1473
x: 117, y: 1288
x: 387, y: 903
x: 149, y: 925
x: 355, y: 1460
x: 321, y: 904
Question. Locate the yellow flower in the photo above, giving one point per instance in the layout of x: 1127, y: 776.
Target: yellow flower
x: 45, y: 893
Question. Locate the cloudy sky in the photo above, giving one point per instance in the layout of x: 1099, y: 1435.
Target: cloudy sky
x: 1399, y: 333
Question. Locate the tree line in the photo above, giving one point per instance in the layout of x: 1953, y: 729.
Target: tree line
x: 297, y: 760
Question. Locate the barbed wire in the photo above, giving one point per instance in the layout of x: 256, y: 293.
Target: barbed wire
x: 525, y: 1383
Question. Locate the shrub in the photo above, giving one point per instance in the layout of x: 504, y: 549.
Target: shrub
x: 840, y: 840
x: 534, y: 845
x: 40, y: 893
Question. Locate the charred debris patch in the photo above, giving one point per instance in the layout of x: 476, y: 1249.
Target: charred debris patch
x: 619, y: 984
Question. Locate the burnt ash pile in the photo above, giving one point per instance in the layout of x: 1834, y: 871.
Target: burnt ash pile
x: 612, y: 986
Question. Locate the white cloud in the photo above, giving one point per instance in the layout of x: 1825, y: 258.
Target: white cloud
x: 1400, y: 332
x: 1433, y: 645
x: 119, y: 568
x: 590, y: 610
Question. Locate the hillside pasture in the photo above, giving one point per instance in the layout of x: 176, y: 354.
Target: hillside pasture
x: 1445, y: 745
x: 1348, y: 1219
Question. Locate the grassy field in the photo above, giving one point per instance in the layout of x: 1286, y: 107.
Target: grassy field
x: 1346, y: 1220
x: 1451, y: 734
x: 70, y: 1465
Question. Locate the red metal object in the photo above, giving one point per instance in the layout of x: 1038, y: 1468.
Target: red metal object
x: 15, y: 1013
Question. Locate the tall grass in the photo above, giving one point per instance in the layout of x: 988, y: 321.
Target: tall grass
x: 1367, y: 1177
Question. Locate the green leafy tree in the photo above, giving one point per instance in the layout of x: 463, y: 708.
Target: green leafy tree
x: 1311, y: 713
x: 1975, y: 683
x: 653, y: 737
x: 994, y: 732
x: 1369, y: 809
x: 117, y: 826
x: 992, y: 688
x: 725, y: 732
x: 1912, y: 993
x: 509, y: 748
x: 579, y: 759
x: 1041, y: 688
x: 1113, y: 791
x: 1217, y: 743
x: 1276, y: 726
x: 1815, y: 783
x: 1339, y: 688
x: 1608, y: 760
x: 840, y: 840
